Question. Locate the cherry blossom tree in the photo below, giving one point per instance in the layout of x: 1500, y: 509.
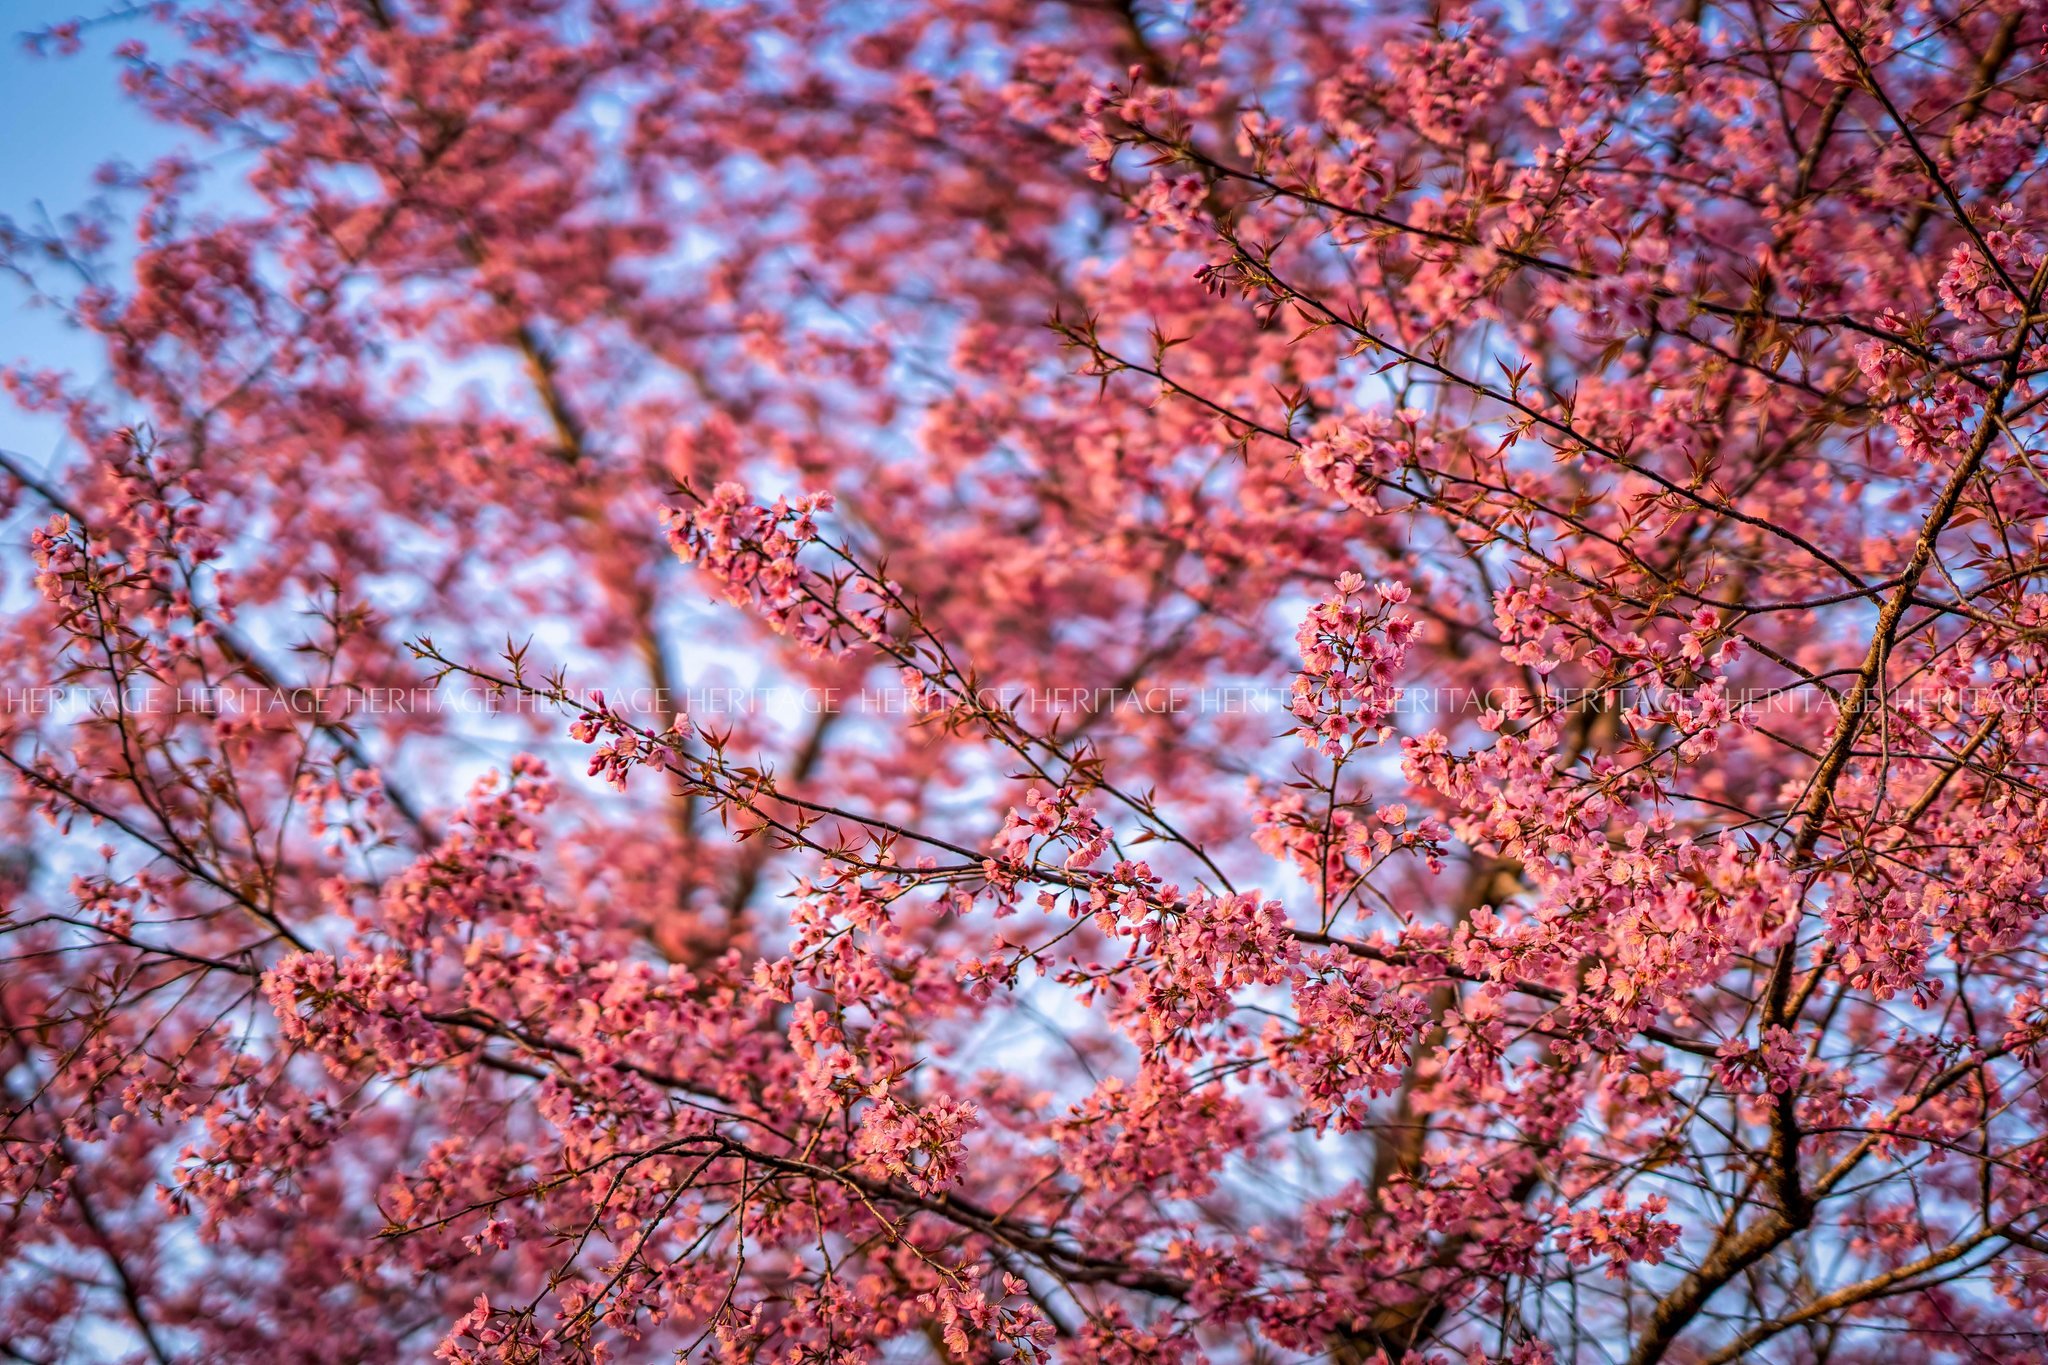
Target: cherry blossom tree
x: 1002, y: 679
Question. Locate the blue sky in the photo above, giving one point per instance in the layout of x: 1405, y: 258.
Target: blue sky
x: 60, y: 119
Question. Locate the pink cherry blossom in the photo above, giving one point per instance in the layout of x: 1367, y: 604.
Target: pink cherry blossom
x: 1007, y: 680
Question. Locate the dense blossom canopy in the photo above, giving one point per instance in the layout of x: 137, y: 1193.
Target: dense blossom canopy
x: 994, y: 679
